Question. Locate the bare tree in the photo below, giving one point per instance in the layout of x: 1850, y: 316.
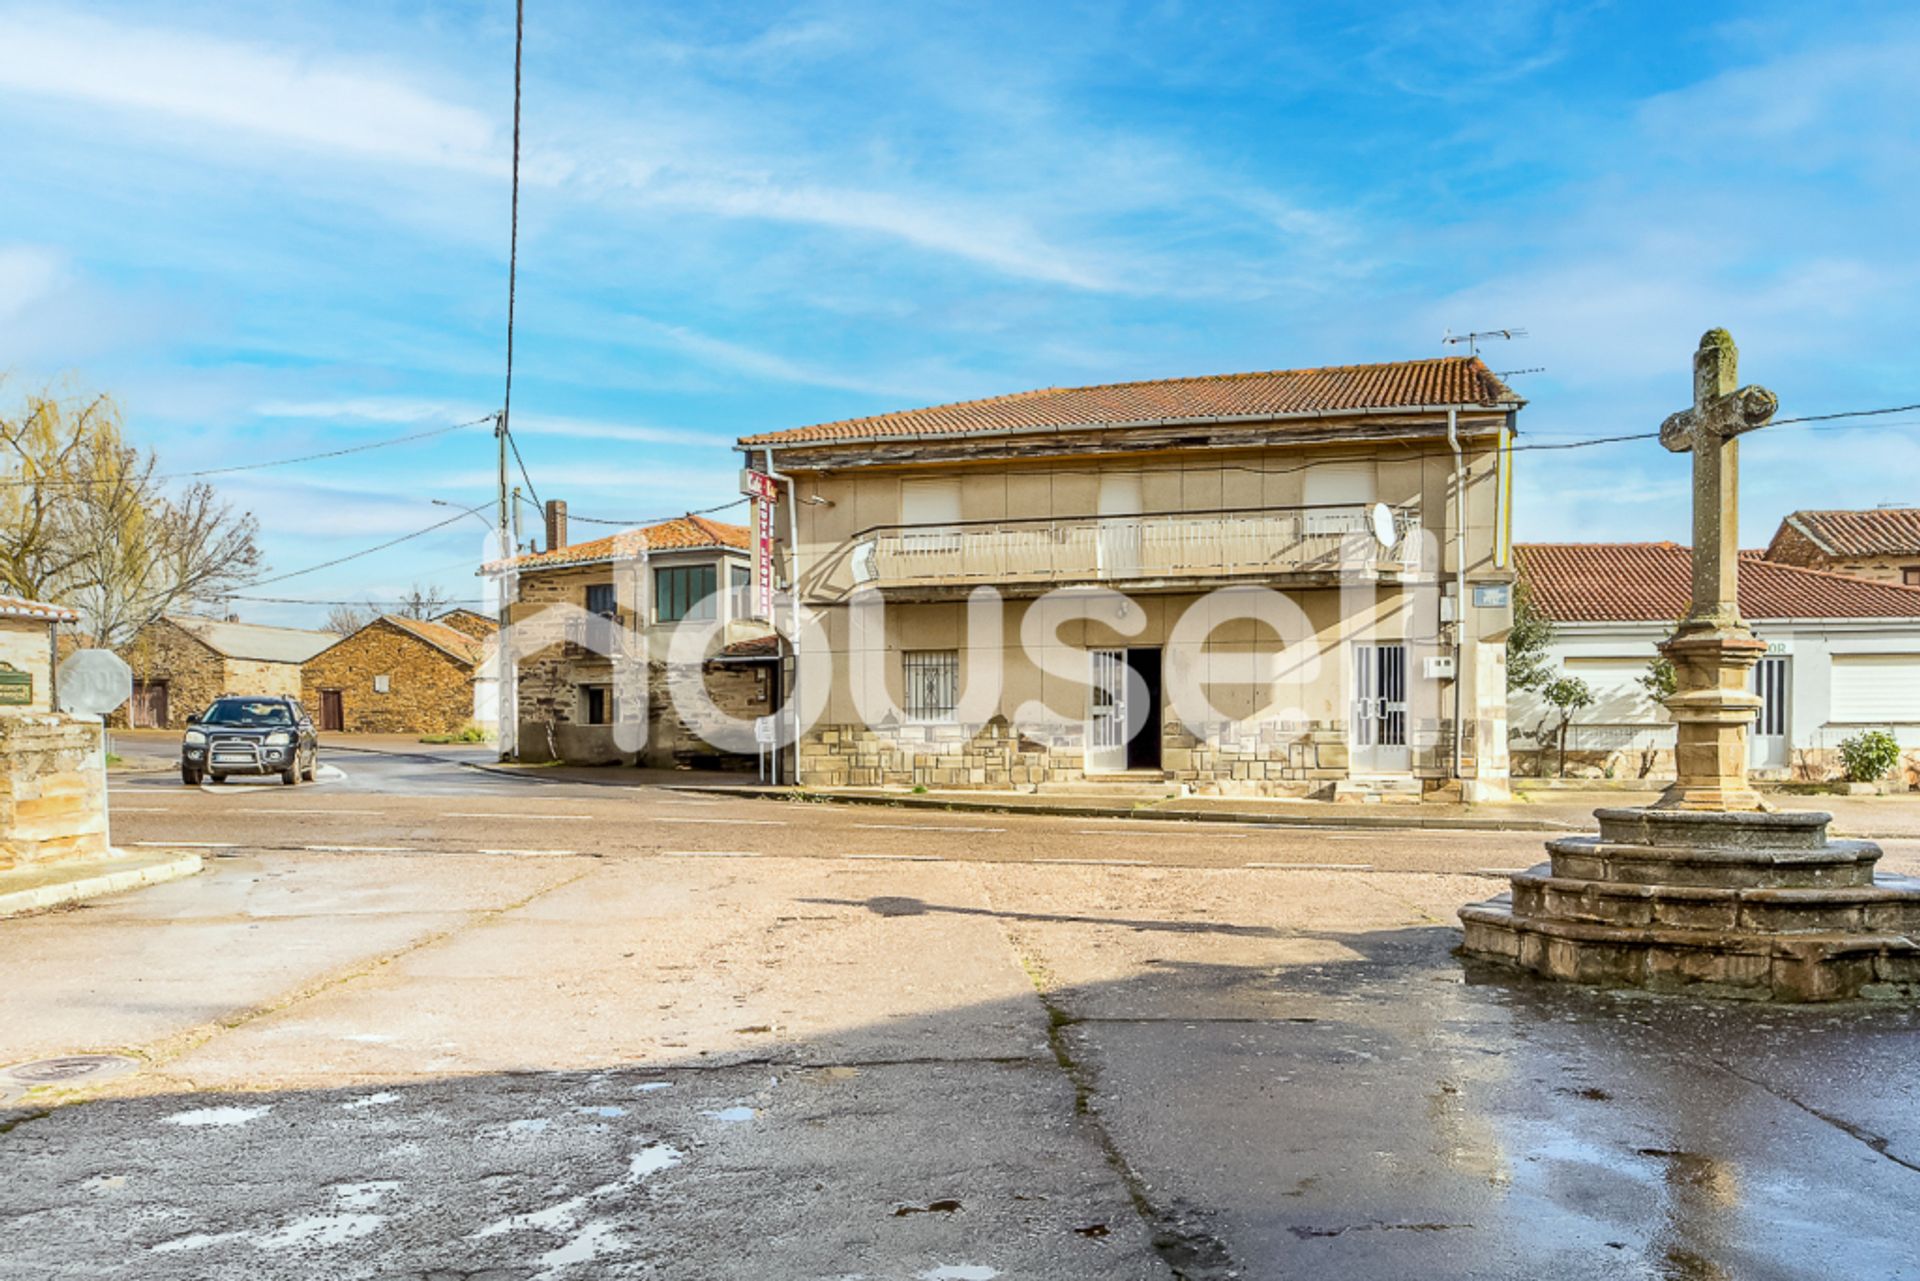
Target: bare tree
x: 423, y: 602
x: 347, y: 619
x: 85, y: 521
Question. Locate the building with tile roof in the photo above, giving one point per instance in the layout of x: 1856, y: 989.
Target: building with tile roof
x: 29, y: 652
x: 402, y: 676
x: 1880, y: 542
x: 1843, y: 655
x: 182, y: 662
x: 591, y: 633
x: 1356, y: 495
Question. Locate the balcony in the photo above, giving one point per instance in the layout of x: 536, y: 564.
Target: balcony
x: 1300, y: 545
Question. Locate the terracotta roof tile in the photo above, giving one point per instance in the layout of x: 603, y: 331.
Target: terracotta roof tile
x: 682, y: 533
x: 451, y: 639
x: 37, y: 610
x: 1446, y: 380
x: 1652, y: 582
x: 1879, y: 531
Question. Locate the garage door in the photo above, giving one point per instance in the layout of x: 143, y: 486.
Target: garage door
x: 148, y: 707
x: 1876, y: 689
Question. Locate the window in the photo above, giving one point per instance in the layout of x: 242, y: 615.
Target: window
x: 740, y: 588
x: 929, y: 504
x: 932, y: 683
x: 683, y: 591
x: 596, y: 704
x: 1910, y: 575
x: 601, y: 600
x: 1336, y: 496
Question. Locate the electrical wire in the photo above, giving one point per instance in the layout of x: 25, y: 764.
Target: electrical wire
x: 515, y: 446
x: 655, y: 520
x: 341, y: 560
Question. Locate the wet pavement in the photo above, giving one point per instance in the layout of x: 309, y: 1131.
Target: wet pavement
x: 724, y: 1049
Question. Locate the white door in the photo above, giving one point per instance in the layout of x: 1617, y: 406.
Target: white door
x: 1767, y: 743
x: 1119, y: 502
x: 1379, y: 735
x: 1107, y: 712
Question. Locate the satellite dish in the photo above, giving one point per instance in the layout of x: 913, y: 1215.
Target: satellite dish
x: 93, y: 682
x: 1380, y: 520
x: 866, y: 562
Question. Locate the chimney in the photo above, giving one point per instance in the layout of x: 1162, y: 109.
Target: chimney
x: 556, y: 524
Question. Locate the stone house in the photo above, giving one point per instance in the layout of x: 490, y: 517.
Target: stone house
x: 182, y: 662
x: 592, y: 627
x: 1881, y: 543
x: 402, y: 676
x: 29, y: 652
x: 1843, y: 655
x: 1288, y: 583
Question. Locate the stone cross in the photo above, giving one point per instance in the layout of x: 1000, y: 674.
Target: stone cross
x: 1711, y: 430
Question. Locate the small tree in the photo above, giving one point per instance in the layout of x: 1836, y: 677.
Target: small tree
x: 423, y: 603
x: 1659, y: 680
x: 1567, y: 695
x: 1869, y: 755
x: 1529, y: 666
x: 348, y: 619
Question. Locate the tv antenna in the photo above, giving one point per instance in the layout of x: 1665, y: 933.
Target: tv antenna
x: 1478, y: 336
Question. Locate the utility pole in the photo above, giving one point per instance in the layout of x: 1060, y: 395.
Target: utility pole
x: 506, y: 696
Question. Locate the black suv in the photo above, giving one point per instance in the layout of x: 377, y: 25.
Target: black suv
x: 271, y: 735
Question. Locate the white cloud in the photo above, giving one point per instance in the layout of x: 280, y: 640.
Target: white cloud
x: 341, y: 106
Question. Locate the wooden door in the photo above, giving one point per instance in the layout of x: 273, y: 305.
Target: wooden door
x: 332, y: 714
x: 148, y: 707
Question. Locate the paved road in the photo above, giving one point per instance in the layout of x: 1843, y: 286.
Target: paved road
x: 731, y: 1038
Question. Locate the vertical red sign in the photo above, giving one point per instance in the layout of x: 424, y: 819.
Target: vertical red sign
x: 764, y: 491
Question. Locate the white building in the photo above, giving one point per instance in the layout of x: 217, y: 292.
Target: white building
x: 1843, y: 655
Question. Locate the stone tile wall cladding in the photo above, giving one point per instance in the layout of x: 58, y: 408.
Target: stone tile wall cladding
x: 551, y: 711
x: 1810, y: 765
x: 1277, y: 759
x: 429, y: 691
x: 53, y: 793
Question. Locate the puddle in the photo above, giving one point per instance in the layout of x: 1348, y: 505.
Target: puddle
x: 960, y: 1272
x: 362, y: 1196
x: 595, y: 1240
x: 529, y: 1125
x: 216, y: 1116
x: 606, y: 1110
x: 732, y: 1115
x: 369, y: 1101
x: 105, y: 1183
x: 321, y: 1230
x: 563, y: 1215
x: 648, y: 1087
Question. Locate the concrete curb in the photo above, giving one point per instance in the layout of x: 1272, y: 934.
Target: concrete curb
x: 1094, y: 809
x: 144, y: 870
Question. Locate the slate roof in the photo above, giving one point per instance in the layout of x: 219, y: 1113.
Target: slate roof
x: 1652, y: 582
x: 255, y: 640
x: 1406, y: 384
x: 1879, y: 531
x: 36, y: 610
x: 682, y: 533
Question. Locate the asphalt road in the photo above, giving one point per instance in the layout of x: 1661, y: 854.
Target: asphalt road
x: 421, y: 1021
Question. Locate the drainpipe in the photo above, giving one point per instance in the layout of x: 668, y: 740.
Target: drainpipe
x: 793, y: 582
x: 1459, y: 573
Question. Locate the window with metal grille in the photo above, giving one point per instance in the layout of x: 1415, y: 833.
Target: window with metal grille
x: 932, y: 683
x: 683, y: 591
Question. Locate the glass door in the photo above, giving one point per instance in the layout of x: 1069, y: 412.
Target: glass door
x: 1379, y: 734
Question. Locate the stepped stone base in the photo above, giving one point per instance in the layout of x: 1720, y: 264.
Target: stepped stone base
x: 1743, y: 904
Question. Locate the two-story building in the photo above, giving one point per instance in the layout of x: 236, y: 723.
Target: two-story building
x: 1878, y: 542
x: 590, y: 635
x: 1286, y: 583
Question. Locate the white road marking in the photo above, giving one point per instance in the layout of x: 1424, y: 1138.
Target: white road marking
x: 569, y: 818
x: 277, y: 810
x: 730, y: 822
x: 1098, y: 862
x: 1315, y: 867
x: 532, y: 853
x: 1501, y: 871
x: 922, y: 827
x: 899, y: 858
x: 360, y: 849
x: 1107, y: 831
x: 142, y: 809
x: 710, y: 853
x: 188, y: 845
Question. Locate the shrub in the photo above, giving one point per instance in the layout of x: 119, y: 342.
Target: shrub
x: 1869, y: 755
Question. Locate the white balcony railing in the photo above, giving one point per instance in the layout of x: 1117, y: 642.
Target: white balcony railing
x: 1186, y: 545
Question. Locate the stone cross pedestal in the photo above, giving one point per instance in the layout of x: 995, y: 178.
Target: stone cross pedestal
x: 1702, y: 892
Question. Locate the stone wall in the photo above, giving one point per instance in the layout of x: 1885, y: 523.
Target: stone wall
x: 53, y: 792
x: 257, y: 677
x: 551, y: 712
x: 195, y: 675
x: 24, y: 647
x: 1791, y: 547
x: 1809, y: 765
x: 429, y: 691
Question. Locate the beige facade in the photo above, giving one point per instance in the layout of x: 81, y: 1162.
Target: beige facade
x: 27, y: 647
x: 1274, y: 644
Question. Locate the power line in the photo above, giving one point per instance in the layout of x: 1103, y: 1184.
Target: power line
x: 653, y: 520
x: 1778, y: 422
x: 341, y: 560
x: 515, y: 446
x: 370, y: 604
x: 259, y: 466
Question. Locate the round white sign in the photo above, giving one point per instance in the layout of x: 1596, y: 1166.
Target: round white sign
x: 1381, y: 518
x: 93, y: 682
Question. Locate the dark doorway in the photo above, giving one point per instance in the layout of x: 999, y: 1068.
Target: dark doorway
x: 1143, y: 747
x: 149, y: 705
x: 332, y: 714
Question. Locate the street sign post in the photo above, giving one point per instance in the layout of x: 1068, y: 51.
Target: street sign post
x: 92, y: 683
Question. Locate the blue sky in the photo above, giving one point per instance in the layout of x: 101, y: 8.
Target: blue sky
x: 276, y: 229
